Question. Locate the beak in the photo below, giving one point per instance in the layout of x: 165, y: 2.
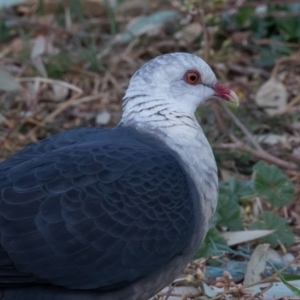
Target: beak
x: 225, y: 93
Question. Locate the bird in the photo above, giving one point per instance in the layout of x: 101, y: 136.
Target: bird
x: 114, y: 214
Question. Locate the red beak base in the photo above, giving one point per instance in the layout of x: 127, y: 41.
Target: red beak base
x: 225, y: 93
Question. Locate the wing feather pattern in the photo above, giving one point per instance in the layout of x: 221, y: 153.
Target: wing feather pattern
x: 91, y: 209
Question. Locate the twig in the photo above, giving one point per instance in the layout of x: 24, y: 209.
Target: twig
x: 265, y: 280
x: 52, y: 81
x: 14, y: 21
x: 239, y: 4
x: 85, y: 72
x: 239, y: 124
x: 261, y: 292
x: 248, y: 70
x: 71, y: 102
x: 291, y: 104
x: 278, y: 14
x: 283, y: 60
x: 200, y: 17
x: 275, y: 43
x: 217, y: 110
x: 258, y: 153
x: 169, y: 292
x: 62, y: 107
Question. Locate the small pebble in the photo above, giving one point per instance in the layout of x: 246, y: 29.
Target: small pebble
x: 103, y: 118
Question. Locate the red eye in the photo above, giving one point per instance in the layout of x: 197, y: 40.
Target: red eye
x: 192, y: 77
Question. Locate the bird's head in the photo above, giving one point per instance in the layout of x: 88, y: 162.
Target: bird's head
x: 177, y: 82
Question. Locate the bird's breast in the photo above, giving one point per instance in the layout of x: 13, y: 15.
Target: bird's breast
x: 197, y: 159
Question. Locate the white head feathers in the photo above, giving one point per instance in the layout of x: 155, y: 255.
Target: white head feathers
x: 164, y: 89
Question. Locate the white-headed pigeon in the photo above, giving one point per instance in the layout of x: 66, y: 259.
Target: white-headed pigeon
x: 114, y: 214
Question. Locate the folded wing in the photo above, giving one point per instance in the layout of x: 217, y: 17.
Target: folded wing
x: 92, y: 209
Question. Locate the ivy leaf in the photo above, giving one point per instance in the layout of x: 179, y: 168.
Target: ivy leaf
x: 228, y: 213
x: 283, y: 233
x: 236, y: 189
x: 228, y: 210
x: 271, y: 182
x: 213, y: 243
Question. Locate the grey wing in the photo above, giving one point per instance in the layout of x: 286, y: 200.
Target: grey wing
x: 93, y: 216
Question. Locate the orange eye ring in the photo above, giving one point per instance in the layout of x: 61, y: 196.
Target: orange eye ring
x: 192, y: 77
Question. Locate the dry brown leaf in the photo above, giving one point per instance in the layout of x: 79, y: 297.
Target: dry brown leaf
x: 17, y: 45
x: 179, y: 293
x: 256, y: 264
x: 272, y: 94
x: 188, y: 34
x: 240, y: 37
x: 150, y: 25
x: 296, y: 152
x: 238, y: 237
x: 94, y: 7
x: 39, y: 48
x: 42, y: 44
x: 60, y: 92
x: 8, y: 82
x: 273, y: 139
x: 133, y: 8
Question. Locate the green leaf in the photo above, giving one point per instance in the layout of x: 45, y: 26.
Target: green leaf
x: 228, y: 213
x: 290, y: 286
x: 267, y: 58
x: 289, y: 27
x: 4, y: 32
x: 76, y: 9
x: 213, y: 244
x: 290, y: 277
x: 271, y: 182
x: 228, y: 209
x: 292, y: 7
x: 236, y: 189
x: 244, y: 16
x: 295, y: 290
x: 58, y: 65
x: 283, y: 233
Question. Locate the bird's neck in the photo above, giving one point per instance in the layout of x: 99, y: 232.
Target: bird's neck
x: 183, y: 134
x: 146, y: 110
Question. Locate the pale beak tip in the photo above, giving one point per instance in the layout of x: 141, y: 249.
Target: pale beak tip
x: 233, y: 97
x: 223, y: 92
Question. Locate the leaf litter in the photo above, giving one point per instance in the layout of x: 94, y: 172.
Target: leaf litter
x: 64, y: 66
